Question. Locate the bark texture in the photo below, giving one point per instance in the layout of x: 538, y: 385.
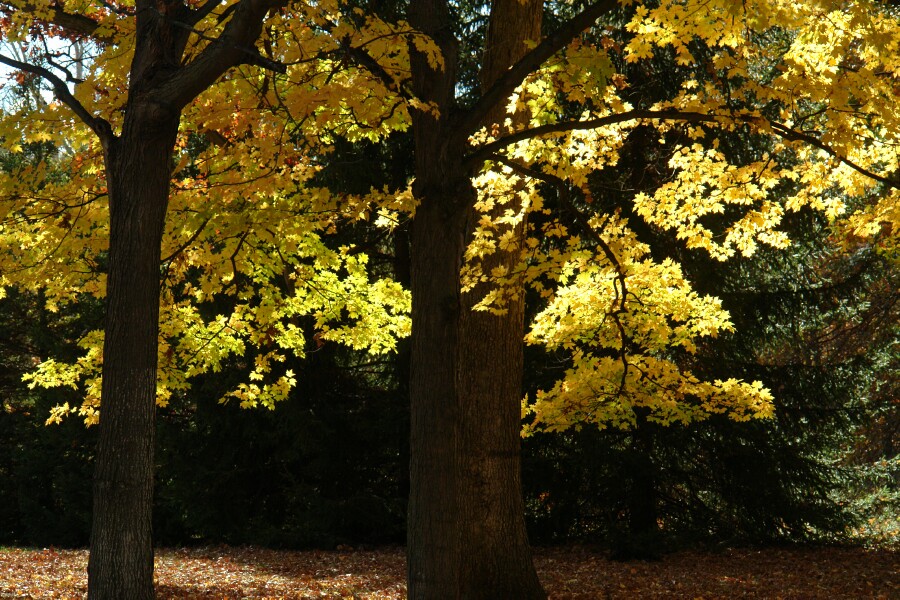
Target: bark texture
x: 138, y: 168
x: 466, y: 524
x: 491, y: 362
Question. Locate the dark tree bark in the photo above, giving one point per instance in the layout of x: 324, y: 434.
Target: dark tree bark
x: 466, y: 523
x: 138, y: 169
x: 138, y: 166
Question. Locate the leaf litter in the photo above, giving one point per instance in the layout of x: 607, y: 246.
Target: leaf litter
x: 567, y: 572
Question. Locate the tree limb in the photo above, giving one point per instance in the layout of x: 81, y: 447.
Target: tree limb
x: 485, y: 152
x: 229, y: 49
x: 365, y: 60
x: 72, y: 23
x: 198, y: 14
x: 798, y: 136
x: 252, y: 56
x: 99, y: 126
x: 482, y: 153
x: 185, y: 245
x: 472, y: 119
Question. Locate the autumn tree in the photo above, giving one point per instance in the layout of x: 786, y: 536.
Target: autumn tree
x: 615, y: 309
x: 164, y: 75
x: 233, y: 153
x: 662, y: 484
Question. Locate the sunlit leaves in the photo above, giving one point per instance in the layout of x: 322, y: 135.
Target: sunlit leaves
x: 812, y: 86
x: 252, y: 270
x: 704, y: 184
x: 250, y: 274
x: 660, y: 315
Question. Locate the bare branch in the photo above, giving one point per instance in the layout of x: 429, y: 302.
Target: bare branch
x: 99, y: 126
x: 472, y: 119
x: 69, y: 77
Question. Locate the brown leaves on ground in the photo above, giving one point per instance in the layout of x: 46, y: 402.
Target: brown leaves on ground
x: 567, y: 573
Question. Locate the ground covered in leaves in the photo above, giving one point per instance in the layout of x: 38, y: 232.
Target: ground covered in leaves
x: 567, y: 573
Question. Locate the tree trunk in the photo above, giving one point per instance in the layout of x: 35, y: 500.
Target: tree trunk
x: 138, y: 167
x: 466, y: 527
x: 138, y: 171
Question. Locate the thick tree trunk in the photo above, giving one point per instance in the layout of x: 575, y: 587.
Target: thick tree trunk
x: 466, y: 523
x: 466, y: 519
x: 643, y: 541
x: 138, y: 171
x: 435, y: 523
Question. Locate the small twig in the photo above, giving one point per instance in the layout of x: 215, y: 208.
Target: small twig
x: 190, y: 241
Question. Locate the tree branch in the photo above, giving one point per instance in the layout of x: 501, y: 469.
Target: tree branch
x: 472, y: 119
x: 185, y: 245
x: 72, y: 23
x: 487, y: 151
x: 798, y: 136
x: 365, y: 60
x: 198, y: 14
x: 99, y: 126
x: 230, y: 48
x: 252, y: 56
x: 621, y: 290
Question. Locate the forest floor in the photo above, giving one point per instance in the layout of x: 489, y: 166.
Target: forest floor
x: 568, y: 572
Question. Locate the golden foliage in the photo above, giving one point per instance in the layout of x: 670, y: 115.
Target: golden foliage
x: 815, y: 82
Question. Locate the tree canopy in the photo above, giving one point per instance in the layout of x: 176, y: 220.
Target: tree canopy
x: 247, y: 219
